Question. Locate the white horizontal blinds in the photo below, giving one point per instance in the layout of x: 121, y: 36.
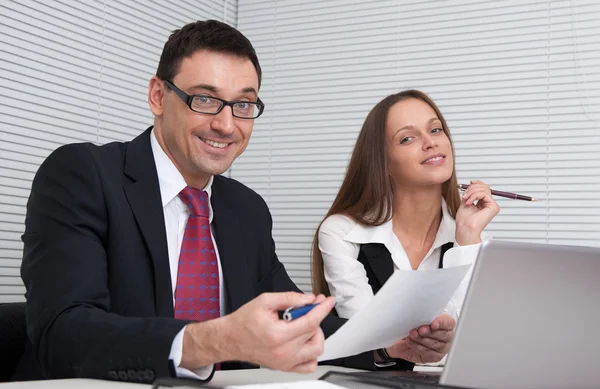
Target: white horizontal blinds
x: 573, y: 209
x: 316, y: 97
x: 519, y: 118
x: 511, y: 77
x: 49, y: 60
x: 73, y: 71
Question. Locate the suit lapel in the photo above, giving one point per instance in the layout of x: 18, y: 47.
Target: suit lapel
x: 380, y: 260
x: 230, y: 243
x: 143, y: 195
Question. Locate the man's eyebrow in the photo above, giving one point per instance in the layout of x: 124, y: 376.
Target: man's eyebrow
x: 214, y: 89
x: 249, y: 89
x: 208, y: 87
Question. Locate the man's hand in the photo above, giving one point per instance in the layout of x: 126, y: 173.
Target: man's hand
x: 254, y: 333
x: 429, y: 343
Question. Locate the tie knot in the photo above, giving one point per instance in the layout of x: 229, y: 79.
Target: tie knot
x: 196, y: 201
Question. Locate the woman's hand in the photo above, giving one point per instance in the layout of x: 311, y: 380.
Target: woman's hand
x: 471, y: 217
x: 428, y: 343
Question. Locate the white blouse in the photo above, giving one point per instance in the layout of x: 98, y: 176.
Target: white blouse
x: 339, y: 241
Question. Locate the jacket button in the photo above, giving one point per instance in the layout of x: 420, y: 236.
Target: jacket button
x: 150, y: 375
x: 141, y: 376
x: 122, y: 375
x: 113, y: 375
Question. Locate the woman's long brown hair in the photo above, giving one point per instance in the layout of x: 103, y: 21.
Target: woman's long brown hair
x: 367, y: 192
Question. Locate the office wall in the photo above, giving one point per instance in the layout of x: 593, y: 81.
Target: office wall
x: 74, y: 71
x: 518, y: 81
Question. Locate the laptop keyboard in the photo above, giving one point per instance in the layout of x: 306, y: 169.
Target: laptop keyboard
x: 371, y: 380
x: 413, y: 377
x: 427, y: 378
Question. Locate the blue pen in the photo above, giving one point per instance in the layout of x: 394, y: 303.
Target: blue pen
x: 293, y: 313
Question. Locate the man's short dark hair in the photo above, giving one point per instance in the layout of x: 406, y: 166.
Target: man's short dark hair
x: 204, y: 35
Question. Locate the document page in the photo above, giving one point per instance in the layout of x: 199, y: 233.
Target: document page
x: 290, y: 385
x: 408, y: 300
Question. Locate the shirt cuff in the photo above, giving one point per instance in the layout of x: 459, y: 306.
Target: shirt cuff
x: 441, y: 363
x: 461, y: 255
x: 175, y: 356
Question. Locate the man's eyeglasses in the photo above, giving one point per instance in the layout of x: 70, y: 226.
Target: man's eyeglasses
x: 212, y: 105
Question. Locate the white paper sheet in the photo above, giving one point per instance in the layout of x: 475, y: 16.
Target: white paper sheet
x: 406, y: 301
x: 290, y: 385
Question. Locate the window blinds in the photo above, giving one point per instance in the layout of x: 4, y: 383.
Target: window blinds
x: 518, y: 82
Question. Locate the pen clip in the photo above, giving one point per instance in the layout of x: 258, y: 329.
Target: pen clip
x: 288, y: 314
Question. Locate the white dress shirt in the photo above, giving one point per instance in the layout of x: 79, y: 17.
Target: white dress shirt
x: 176, y: 214
x: 339, y: 241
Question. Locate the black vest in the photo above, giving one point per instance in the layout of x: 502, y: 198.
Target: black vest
x: 379, y: 265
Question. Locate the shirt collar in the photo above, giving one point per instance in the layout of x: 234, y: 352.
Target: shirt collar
x: 170, y: 180
x: 361, y: 234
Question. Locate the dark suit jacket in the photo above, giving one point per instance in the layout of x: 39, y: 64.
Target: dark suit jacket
x: 96, y: 267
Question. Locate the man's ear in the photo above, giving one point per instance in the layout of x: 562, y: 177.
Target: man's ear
x: 156, y: 95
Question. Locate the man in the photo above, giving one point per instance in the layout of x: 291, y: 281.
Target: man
x: 140, y: 260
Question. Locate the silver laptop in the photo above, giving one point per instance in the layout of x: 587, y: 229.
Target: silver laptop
x: 531, y: 319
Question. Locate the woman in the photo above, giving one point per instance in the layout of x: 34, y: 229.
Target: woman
x: 399, y: 208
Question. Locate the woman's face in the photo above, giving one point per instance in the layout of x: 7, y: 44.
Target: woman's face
x: 419, y: 151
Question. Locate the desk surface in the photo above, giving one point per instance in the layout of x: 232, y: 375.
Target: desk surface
x: 221, y: 378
